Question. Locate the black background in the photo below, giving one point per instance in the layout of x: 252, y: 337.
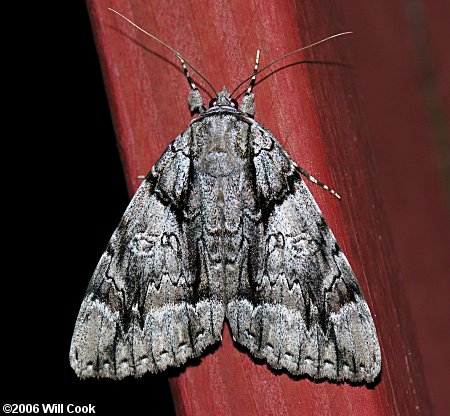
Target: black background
x: 63, y: 195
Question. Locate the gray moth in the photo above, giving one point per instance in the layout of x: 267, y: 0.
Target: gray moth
x: 224, y: 227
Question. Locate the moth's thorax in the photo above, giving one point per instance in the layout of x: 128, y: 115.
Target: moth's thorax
x: 220, y: 143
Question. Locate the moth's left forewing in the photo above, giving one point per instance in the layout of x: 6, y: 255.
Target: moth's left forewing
x: 306, y: 312
x: 141, y: 313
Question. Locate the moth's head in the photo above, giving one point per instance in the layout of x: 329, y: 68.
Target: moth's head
x: 223, y: 99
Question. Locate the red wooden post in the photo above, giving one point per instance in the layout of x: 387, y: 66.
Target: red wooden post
x: 313, y: 109
x: 403, y: 69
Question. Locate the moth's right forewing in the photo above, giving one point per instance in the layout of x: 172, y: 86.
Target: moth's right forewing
x: 306, y: 313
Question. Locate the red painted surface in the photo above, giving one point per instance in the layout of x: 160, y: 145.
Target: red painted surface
x: 403, y: 71
x: 314, y: 110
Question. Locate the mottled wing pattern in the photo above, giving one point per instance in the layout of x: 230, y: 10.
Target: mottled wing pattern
x: 303, y: 310
x: 141, y: 311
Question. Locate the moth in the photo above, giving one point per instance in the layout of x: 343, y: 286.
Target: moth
x: 223, y: 227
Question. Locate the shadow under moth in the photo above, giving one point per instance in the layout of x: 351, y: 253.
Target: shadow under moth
x: 223, y: 226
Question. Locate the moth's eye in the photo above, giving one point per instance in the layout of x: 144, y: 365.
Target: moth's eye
x: 213, y: 102
x: 234, y: 103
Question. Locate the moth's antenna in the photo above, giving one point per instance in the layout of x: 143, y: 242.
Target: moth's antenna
x: 289, y: 54
x: 178, y: 54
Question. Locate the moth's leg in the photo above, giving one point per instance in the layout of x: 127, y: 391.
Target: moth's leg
x: 187, y: 75
x: 255, y: 70
x: 317, y: 182
x: 248, y: 102
x: 195, y: 100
